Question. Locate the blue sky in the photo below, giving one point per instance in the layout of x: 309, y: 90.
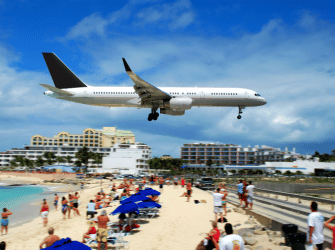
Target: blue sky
x: 282, y: 49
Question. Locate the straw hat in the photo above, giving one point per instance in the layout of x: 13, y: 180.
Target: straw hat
x: 91, y: 223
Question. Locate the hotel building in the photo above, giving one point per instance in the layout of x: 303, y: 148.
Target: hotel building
x: 106, y: 137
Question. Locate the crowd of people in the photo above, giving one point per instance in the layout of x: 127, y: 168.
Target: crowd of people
x: 213, y: 240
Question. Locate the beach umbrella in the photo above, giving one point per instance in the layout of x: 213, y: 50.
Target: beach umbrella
x: 149, y: 191
x: 125, y: 208
x: 148, y: 204
x: 68, y: 244
x: 135, y: 198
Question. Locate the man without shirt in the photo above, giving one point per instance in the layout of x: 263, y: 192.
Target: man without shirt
x: 315, y: 227
x: 102, y: 229
x: 231, y: 241
x: 49, y: 240
x: 218, y: 204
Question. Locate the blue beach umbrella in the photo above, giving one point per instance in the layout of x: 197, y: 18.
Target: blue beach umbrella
x: 148, y: 204
x: 149, y: 191
x: 68, y: 244
x: 125, y: 208
x: 135, y: 198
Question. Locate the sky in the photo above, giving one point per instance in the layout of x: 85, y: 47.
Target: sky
x: 284, y: 50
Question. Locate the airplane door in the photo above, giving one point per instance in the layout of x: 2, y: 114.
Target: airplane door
x: 246, y: 94
x: 202, y: 94
x: 84, y: 93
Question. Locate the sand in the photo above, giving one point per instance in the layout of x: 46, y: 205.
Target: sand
x: 181, y: 225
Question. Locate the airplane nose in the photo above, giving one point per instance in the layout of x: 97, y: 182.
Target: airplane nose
x: 263, y: 101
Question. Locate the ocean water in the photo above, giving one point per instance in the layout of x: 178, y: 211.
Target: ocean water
x: 24, y: 201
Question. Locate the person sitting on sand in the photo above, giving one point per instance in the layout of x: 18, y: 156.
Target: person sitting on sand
x: 2, y: 245
x: 4, y: 221
x: 98, y: 197
x: 90, y: 209
x: 49, y: 240
x: 231, y: 241
x: 91, y: 232
x: 65, y: 206
x: 44, y: 213
x: 212, y: 239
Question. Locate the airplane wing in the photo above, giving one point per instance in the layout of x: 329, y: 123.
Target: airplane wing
x: 56, y: 90
x: 146, y: 91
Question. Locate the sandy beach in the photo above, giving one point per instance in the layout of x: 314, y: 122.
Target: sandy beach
x: 181, y: 225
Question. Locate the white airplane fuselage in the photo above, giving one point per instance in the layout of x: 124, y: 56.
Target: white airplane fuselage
x: 127, y: 97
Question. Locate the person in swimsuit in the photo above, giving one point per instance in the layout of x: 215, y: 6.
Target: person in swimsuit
x: 56, y: 201
x: 4, y: 220
x: 124, y: 195
x: 91, y: 231
x: 65, y: 207
x: 44, y: 213
x: 75, y: 202
x: 224, y: 200
x: 189, y: 190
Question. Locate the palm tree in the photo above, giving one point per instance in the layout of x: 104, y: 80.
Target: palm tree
x: 83, y: 155
x: 39, y: 162
x: 60, y: 159
x: 68, y: 159
x: 49, y: 157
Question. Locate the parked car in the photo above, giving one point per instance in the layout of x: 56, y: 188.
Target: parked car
x: 205, y: 183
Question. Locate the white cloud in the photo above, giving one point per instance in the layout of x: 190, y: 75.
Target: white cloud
x: 176, y: 15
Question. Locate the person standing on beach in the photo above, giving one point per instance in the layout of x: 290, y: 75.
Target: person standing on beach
x: 102, y: 229
x: 182, y: 181
x: 65, y: 207
x: 175, y: 182
x: 161, y: 183
x: 240, y: 191
x: 250, y: 194
x: 49, y: 240
x: 44, y: 213
x: 4, y: 220
x: 218, y: 204
x: 231, y: 241
x: 315, y: 227
x: 76, y: 202
x: 332, y: 228
x: 56, y: 201
x: 189, y: 190
x: 224, y: 199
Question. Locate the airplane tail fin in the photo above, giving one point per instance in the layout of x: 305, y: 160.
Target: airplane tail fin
x: 61, y: 75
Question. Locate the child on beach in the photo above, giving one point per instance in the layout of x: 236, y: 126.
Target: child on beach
x: 4, y: 221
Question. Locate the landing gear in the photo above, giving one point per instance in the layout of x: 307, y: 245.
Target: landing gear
x: 240, y: 112
x: 153, y: 115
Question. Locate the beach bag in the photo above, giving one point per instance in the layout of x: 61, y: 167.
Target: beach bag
x: 224, y: 219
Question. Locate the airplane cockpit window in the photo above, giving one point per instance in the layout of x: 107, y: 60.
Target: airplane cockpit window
x: 257, y: 94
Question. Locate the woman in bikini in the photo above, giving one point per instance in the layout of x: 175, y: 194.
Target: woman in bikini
x: 65, y: 206
x: 75, y: 202
x: 44, y: 213
x: 4, y: 221
x: 224, y: 200
x: 70, y: 205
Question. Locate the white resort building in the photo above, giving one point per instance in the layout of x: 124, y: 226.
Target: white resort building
x: 125, y: 159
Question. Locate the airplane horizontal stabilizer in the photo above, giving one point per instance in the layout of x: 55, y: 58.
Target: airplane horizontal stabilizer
x: 56, y: 90
x: 62, y: 76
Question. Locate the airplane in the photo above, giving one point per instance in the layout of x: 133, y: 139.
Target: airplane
x: 170, y: 100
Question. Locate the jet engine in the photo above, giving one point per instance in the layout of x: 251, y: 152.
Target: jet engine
x: 180, y: 103
x: 172, y: 112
